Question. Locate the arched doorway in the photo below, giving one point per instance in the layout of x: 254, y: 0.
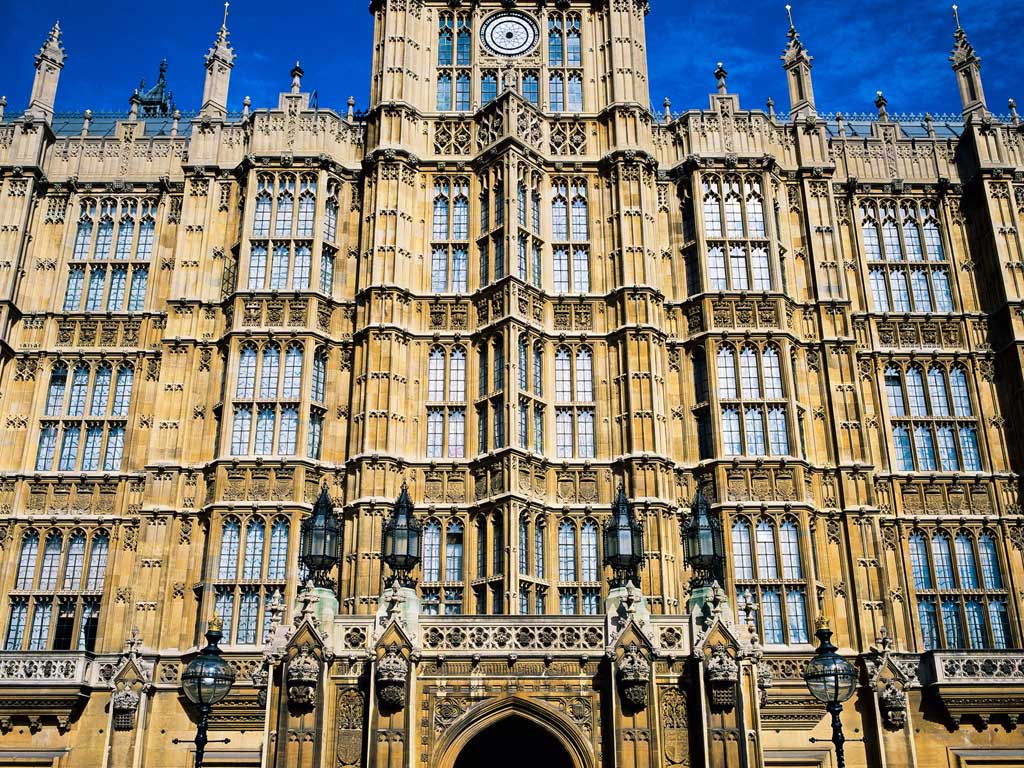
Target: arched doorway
x: 513, y: 742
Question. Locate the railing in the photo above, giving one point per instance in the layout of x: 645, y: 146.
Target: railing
x: 972, y: 667
x: 44, y: 667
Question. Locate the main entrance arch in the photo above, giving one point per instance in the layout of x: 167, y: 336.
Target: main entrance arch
x: 511, y: 731
x: 512, y: 742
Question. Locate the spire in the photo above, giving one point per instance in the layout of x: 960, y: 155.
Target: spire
x: 49, y: 63
x: 296, y: 74
x: 881, y: 104
x: 797, y: 63
x: 967, y: 65
x: 219, y: 62
x: 720, y: 76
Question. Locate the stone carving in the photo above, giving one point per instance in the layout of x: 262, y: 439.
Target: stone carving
x: 892, y: 701
x: 675, y: 724
x: 349, y: 719
x: 392, y: 671
x: 125, y: 703
x: 722, y: 674
x: 303, y: 676
x: 634, y: 671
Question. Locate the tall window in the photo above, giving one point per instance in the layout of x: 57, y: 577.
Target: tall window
x: 767, y: 563
x: 58, y: 591
x: 450, y: 230
x: 907, y: 268
x: 108, y: 272
x: 454, y: 56
x: 252, y: 563
x: 734, y: 225
x: 753, y: 404
x: 565, y: 62
x: 960, y: 591
x: 267, y: 400
x: 83, y: 427
x: 933, y: 423
x: 285, y: 211
x: 443, y: 577
x: 574, y: 395
x: 570, y: 235
x: 446, y: 403
x: 579, y: 575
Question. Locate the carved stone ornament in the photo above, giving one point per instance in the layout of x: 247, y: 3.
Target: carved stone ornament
x: 303, y: 675
x: 125, y: 703
x: 634, y: 672
x: 892, y: 701
x: 723, y: 674
x: 392, y: 672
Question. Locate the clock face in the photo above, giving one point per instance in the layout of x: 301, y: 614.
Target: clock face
x: 510, y: 34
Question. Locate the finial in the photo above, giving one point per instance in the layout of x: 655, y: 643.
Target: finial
x: 789, y: 13
x: 297, y: 73
x: 351, y: 107
x: 840, y: 125
x: 770, y: 104
x: 1011, y: 103
x: 929, y: 127
x: 822, y: 622
x: 246, y: 103
x: 3, y: 104
x: 86, y: 119
x: 720, y: 75
x: 668, y: 109
x: 216, y: 624
x: 881, y: 102
x: 956, y: 16
x: 224, y: 24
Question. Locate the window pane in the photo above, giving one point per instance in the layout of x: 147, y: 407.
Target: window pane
x: 771, y: 615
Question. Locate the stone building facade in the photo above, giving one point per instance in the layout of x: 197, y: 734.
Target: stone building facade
x: 514, y: 287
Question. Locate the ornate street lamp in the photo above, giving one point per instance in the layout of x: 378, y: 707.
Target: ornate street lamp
x: 624, y: 542
x: 831, y: 679
x: 702, y: 537
x: 403, y: 538
x: 321, y: 541
x: 207, y: 680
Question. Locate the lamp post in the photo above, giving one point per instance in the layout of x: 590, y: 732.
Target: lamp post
x: 831, y: 679
x: 624, y: 542
x: 702, y: 537
x: 403, y: 539
x: 207, y: 680
x: 321, y: 541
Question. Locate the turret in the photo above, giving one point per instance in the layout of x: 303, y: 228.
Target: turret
x: 49, y: 63
x: 797, y: 63
x: 967, y: 65
x: 219, y: 63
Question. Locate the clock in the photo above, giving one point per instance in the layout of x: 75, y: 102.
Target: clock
x: 510, y: 34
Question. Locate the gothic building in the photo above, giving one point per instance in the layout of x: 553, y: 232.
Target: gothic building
x: 511, y: 287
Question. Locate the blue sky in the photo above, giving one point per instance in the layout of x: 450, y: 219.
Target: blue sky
x: 859, y: 47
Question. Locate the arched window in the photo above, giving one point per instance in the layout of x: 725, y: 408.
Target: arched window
x: 50, y: 565
x: 894, y: 392
x: 538, y: 549
x: 733, y: 211
x: 462, y: 92
x: 869, y: 231
x: 307, y: 207
x: 245, y: 387
x: 435, y: 375
x: 915, y: 392
x: 74, y: 565
x: 464, y: 49
x: 104, y: 235
x: 524, y: 545
x: 575, y: 92
x: 726, y: 373
x: 712, y: 209
x: 932, y: 239
x: 750, y: 382
x: 444, y: 93
x: 453, y: 552
x: 101, y: 390
x: 566, y: 552
x: 919, y: 566
x: 229, y: 544
x: 556, y: 92
x: 457, y: 375
x: 563, y: 376
x: 588, y: 551
x: 742, y: 557
x: 432, y: 552
x: 98, y: 561
x: 943, y: 562
x: 252, y: 564
x: 965, y: 563
x: 531, y: 88
x: 731, y: 443
x: 83, y: 235
x: 285, y: 206
x: 790, y: 548
x: 556, y: 49
x: 277, y: 563
x: 331, y: 214
x: 584, y: 376
x: 445, y: 41
x: 767, y: 565
x: 499, y: 365
x: 27, y: 561
x: 79, y: 388
x: 55, y: 392
x: 270, y: 372
x: 292, y: 372
x: 559, y: 213
x: 772, y: 373
x: 912, y: 236
x: 580, y: 228
x: 460, y: 220
x: 319, y: 376
x: 144, y: 244
x: 261, y: 215
x: 755, y: 207
x: 441, y: 209
x: 488, y: 87
x: 573, y: 44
